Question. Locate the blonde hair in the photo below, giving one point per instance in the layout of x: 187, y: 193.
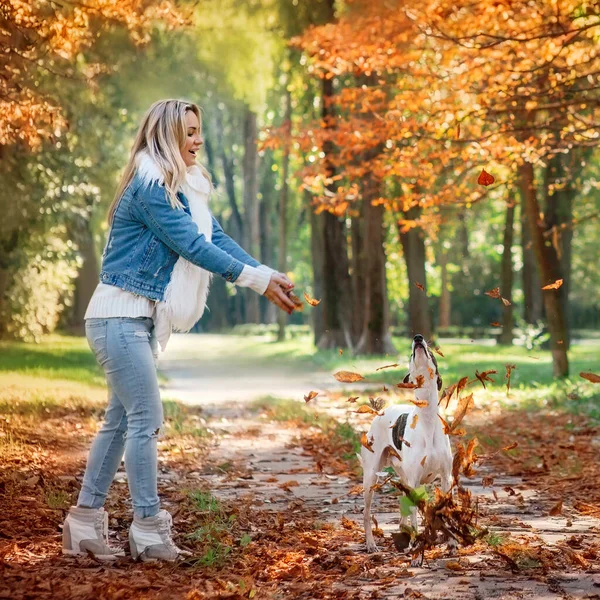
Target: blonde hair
x: 162, y: 135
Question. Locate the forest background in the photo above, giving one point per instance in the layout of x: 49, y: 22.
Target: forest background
x: 346, y: 141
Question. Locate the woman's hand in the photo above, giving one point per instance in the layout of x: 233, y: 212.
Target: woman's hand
x: 276, y: 292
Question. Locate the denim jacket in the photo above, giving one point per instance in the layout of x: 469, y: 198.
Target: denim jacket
x: 147, y: 237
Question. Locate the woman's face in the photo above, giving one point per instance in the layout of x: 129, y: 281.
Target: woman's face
x: 193, y: 139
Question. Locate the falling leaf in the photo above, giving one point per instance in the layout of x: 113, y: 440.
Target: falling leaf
x: 495, y: 293
x: 506, y: 302
x: 590, y: 377
x: 431, y: 373
x: 438, y: 350
x: 310, y: 300
x: 495, y: 324
x: 310, y: 396
x: 509, y: 370
x: 464, y: 404
x: 384, y: 389
x: 458, y: 432
x: 406, y: 386
x: 419, y: 403
x: 353, y: 398
x: 387, y: 367
x: 366, y: 409
x: 377, y: 403
x: 364, y: 441
x: 487, y: 481
x: 414, y: 421
x: 458, y: 131
x: 340, y: 351
x: 420, y: 380
x: 556, y: 509
x: 484, y: 376
x: 485, y: 178
x: 419, y: 285
x: 553, y: 286
x: 461, y: 385
x: 348, y: 377
x: 423, y: 460
x: 447, y: 428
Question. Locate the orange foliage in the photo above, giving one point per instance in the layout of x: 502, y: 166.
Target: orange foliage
x: 39, y: 35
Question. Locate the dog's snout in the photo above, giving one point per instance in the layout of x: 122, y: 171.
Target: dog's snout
x: 418, y: 338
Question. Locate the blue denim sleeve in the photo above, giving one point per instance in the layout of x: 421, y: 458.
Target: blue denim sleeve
x: 176, y: 228
x: 223, y: 241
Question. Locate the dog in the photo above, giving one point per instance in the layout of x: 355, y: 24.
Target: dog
x: 415, y: 434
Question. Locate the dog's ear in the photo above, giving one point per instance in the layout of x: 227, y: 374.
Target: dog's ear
x: 407, y: 378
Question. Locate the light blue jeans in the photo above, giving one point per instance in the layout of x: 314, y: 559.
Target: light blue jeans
x: 126, y: 350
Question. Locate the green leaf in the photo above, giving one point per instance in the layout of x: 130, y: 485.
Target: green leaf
x: 406, y: 506
x: 246, y: 539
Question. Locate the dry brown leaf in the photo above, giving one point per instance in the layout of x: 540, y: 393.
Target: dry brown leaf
x: 420, y: 286
x: 553, y: 286
x: 438, y: 350
x: 310, y: 300
x: 447, y: 428
x: 353, y: 398
x: 590, y: 377
x: 484, y: 376
x: 460, y: 386
x: 556, y: 509
x: 419, y: 403
x: 487, y: 481
x: 366, y: 409
x: 340, y: 351
x: 509, y: 370
x: 420, y: 381
x: 431, y: 372
x: 506, y: 302
x: 414, y: 421
x: 310, y: 396
x: 458, y: 432
x: 406, y: 386
x: 495, y: 293
x: 464, y: 404
x: 495, y: 324
x: 485, y: 178
x: 454, y: 565
x: 510, y: 447
x: 393, y: 452
x: 364, y: 441
x: 387, y: 367
x: 298, y: 304
x: 423, y: 460
x: 377, y: 403
x: 348, y: 376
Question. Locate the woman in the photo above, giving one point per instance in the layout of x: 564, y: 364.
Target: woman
x: 162, y: 249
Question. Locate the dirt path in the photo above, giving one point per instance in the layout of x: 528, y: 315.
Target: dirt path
x: 266, y: 463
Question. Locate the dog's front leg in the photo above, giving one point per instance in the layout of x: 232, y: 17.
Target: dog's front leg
x: 369, y: 480
x: 447, y: 487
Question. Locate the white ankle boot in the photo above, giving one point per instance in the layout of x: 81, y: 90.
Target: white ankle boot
x: 85, y: 530
x: 150, y: 538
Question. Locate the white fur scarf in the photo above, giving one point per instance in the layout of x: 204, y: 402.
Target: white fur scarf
x: 186, y: 293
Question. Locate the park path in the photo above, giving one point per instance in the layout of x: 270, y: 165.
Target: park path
x: 268, y: 463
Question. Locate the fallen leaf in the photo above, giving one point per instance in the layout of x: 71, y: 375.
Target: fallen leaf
x: 414, y: 421
x: 556, y: 509
x: 510, y: 447
x: 348, y: 377
x: 485, y: 178
x: 310, y: 396
x: 454, y: 565
x: 553, y: 286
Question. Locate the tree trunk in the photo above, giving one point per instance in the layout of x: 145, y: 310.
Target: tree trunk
x: 506, y: 277
x: 251, y: 208
x: 533, y: 310
x: 557, y: 217
x: 337, y: 302
x: 317, y: 250
x: 413, y: 245
x: 445, y: 295
x: 358, y: 268
x: 549, y: 271
x: 283, y: 203
x: 375, y: 337
x: 88, y: 276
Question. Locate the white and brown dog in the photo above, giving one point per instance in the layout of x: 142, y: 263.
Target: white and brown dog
x: 414, y: 433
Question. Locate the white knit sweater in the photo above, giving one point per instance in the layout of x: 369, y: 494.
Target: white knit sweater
x: 187, y: 281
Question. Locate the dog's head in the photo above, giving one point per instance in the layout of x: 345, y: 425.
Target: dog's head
x: 422, y: 362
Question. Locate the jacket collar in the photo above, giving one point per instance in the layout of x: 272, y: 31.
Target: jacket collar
x: 149, y: 171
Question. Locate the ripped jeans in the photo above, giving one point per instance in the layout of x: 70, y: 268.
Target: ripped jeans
x: 126, y: 349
